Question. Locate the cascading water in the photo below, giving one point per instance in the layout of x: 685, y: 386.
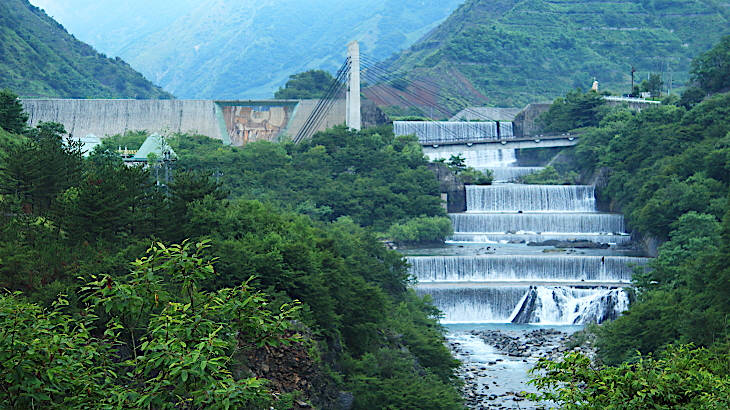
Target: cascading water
x: 485, y: 159
x: 523, y: 268
x: 528, y: 287
x: 507, y: 173
x: 528, y: 304
x: 444, y: 132
x: 538, y: 222
x: 535, y: 198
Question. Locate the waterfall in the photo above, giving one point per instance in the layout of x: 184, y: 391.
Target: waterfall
x: 494, y: 238
x: 477, y: 159
x: 523, y: 268
x: 528, y: 304
x: 440, y: 132
x: 515, y: 198
x: 538, y: 222
x: 549, y: 305
x: 508, y: 173
x: 506, y: 130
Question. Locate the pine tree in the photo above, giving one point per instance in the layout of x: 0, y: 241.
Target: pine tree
x: 12, y: 117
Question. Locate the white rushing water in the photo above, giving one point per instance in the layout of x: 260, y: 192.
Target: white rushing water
x: 530, y: 198
x: 503, y: 174
x: 484, y: 159
x: 522, y: 237
x: 576, y: 223
x: 528, y: 304
x: 529, y: 268
x: 439, y: 132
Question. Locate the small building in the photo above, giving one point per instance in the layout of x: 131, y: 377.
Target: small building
x: 154, y: 146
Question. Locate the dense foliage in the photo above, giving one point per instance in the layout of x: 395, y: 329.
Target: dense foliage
x: 510, y: 53
x: 576, y: 110
x: 422, y: 230
x: 372, y: 176
x: 680, y: 377
x: 668, y: 169
x: 550, y: 176
x: 150, y: 339
x: 39, y: 58
x: 307, y: 85
x: 70, y: 225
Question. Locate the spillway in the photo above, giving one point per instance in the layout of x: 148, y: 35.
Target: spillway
x: 538, y: 222
x: 527, y: 268
x: 528, y: 304
x: 508, y: 173
x: 530, y: 198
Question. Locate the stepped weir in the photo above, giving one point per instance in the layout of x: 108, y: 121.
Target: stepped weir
x: 522, y: 284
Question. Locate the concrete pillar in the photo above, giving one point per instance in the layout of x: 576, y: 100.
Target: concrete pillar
x: 353, y: 88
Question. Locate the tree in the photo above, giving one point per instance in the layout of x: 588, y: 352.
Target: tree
x: 37, y: 170
x: 151, y: 339
x: 12, y: 117
x: 576, y: 110
x: 307, y: 85
x: 711, y: 70
x: 653, y: 85
x: 681, y: 377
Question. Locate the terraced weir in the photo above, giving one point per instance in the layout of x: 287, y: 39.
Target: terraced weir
x: 501, y: 162
x: 506, y: 280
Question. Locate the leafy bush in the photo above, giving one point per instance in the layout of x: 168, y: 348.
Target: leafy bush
x: 423, y: 229
x: 165, y: 343
x: 550, y: 176
x: 680, y: 377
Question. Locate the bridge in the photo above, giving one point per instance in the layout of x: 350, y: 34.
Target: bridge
x: 540, y: 141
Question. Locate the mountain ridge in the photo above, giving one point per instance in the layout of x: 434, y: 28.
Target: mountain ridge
x: 520, y: 51
x: 38, y: 58
x: 230, y: 49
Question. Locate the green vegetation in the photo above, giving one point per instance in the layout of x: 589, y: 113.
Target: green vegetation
x: 680, y: 378
x: 12, y: 116
x: 372, y: 176
x: 510, y: 53
x: 38, y: 58
x: 422, y: 230
x: 668, y: 169
x: 194, y: 325
x: 550, y: 176
x: 307, y: 85
x: 151, y: 338
x: 469, y: 175
x: 576, y: 110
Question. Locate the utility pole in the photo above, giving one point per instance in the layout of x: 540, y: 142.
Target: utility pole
x: 352, y: 117
x: 633, y: 70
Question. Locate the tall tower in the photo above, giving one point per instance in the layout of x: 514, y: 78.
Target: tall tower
x: 352, y: 118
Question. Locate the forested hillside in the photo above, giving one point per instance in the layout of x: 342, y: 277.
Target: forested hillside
x: 512, y: 52
x: 39, y: 58
x: 218, y: 289
x: 668, y: 169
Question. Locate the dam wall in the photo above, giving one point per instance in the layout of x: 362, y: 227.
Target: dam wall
x: 234, y: 122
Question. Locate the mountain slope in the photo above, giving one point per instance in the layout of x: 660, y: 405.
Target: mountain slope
x: 244, y: 49
x: 39, y: 58
x: 518, y: 51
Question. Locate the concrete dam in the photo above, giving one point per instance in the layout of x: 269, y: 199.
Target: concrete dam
x: 233, y: 122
